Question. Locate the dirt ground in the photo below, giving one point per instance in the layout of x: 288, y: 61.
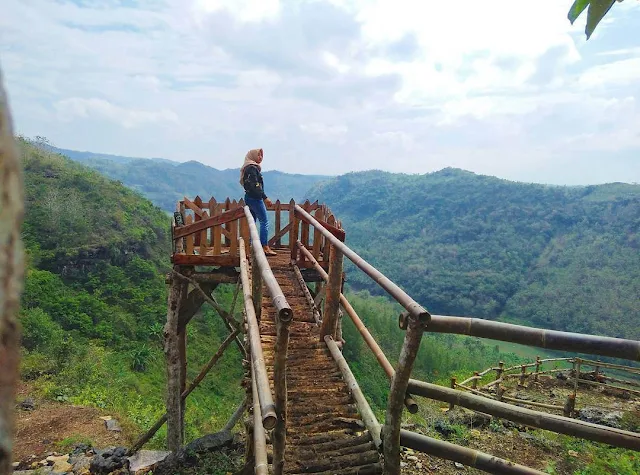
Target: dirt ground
x: 38, y: 432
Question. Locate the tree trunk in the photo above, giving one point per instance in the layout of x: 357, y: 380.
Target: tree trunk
x: 11, y: 276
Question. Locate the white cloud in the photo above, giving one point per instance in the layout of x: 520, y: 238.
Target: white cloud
x: 499, y: 87
x: 76, y: 107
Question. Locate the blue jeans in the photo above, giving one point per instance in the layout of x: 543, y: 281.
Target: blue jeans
x: 259, y: 212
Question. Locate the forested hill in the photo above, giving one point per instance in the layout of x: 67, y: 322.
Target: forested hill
x: 464, y: 244
x: 165, y: 182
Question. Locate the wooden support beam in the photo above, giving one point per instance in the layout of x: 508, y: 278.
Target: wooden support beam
x: 216, y: 276
x: 196, y: 260
x: 463, y: 455
x: 174, y: 368
x: 235, y: 417
x: 521, y: 415
x: 275, y: 240
x: 194, y: 384
x: 391, y: 431
x: 332, y: 299
x: 192, y: 304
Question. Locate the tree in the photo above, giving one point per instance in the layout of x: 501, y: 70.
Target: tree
x: 11, y: 276
x: 597, y: 10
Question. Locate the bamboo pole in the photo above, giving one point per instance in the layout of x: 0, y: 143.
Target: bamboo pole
x: 629, y: 369
x: 413, y: 307
x: 259, y: 370
x: 259, y: 436
x: 473, y: 458
x: 277, y: 297
x: 391, y: 431
x: 368, y: 417
x: 256, y: 284
x: 409, y: 402
x: 305, y: 290
x: 196, y: 382
x: 552, y: 422
x: 541, y: 338
x: 332, y: 298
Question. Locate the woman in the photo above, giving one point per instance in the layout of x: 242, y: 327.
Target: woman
x: 254, y: 197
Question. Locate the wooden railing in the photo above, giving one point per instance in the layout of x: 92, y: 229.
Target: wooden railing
x: 207, y: 233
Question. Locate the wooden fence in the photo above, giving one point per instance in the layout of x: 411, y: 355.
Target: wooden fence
x: 207, y: 233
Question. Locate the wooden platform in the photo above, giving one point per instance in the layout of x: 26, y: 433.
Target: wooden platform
x: 325, y: 433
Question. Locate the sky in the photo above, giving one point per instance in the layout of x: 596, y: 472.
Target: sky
x: 500, y: 87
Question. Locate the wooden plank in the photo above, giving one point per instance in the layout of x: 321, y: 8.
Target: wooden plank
x: 203, y: 237
x: 189, y: 239
x: 293, y: 232
x: 223, y: 218
x: 219, y: 261
x: 277, y: 225
x: 227, y: 207
x: 233, y: 249
x: 195, y: 207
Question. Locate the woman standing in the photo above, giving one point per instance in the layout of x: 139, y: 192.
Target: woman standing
x: 254, y: 197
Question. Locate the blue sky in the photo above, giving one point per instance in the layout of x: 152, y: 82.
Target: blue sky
x: 501, y: 87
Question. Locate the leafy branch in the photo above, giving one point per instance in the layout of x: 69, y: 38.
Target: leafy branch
x: 597, y: 10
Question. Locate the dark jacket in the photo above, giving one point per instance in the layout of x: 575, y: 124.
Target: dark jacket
x: 253, y: 184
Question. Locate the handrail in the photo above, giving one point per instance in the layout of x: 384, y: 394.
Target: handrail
x: 552, y: 422
x: 226, y: 217
x: 259, y: 371
x: 464, y: 455
x: 277, y: 297
x: 550, y: 339
x: 414, y: 308
x: 409, y: 402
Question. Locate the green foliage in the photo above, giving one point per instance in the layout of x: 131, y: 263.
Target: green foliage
x: 597, y: 10
x: 563, y: 258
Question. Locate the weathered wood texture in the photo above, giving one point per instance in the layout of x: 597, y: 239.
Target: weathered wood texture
x: 391, y: 430
x: 333, y: 293
x: 11, y: 276
x: 325, y: 433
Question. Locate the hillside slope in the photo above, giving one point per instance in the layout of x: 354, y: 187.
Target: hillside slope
x: 463, y: 244
x: 165, y: 182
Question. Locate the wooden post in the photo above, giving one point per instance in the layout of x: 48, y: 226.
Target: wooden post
x: 499, y: 392
x: 569, y: 405
x: 523, y: 375
x: 499, y: 370
x: 474, y: 383
x: 399, y: 382
x: 453, y: 386
x: 11, y: 276
x: 577, y: 376
x: 174, y: 366
x: 293, y: 232
x: 182, y: 352
x: 535, y: 378
x: 280, y: 389
x: 278, y: 242
x: 596, y: 371
x: 332, y: 298
x: 194, y: 384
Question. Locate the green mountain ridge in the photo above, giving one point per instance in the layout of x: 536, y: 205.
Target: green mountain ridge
x: 165, y: 182
x: 464, y: 244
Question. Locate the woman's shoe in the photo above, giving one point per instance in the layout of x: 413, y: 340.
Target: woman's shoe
x: 268, y: 251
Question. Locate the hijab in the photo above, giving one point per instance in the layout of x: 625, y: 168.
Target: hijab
x: 250, y: 159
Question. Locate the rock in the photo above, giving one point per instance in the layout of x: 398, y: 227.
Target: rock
x: 419, y: 466
x: 109, y: 460
x: 146, y: 460
x: 39, y: 471
x: 112, y: 425
x: 80, y: 463
x: 573, y: 453
x: 15, y: 465
x: 412, y: 458
x: 402, y: 464
x: 29, y: 404
x: 458, y: 465
x: 476, y: 433
x: 81, y: 449
x: 596, y: 415
x: 60, y: 463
